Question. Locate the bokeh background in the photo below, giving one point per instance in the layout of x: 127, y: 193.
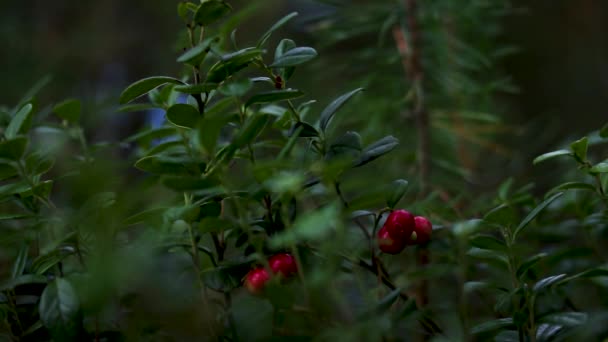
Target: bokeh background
x: 93, y: 49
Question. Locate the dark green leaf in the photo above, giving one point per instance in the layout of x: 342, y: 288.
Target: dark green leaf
x: 60, y: 310
x: 160, y: 164
x: 68, y: 110
x: 284, y: 46
x: 535, y: 213
x: 183, y: 115
x: 551, y: 155
x: 7, y: 171
x: 328, y: 113
x: 377, y: 149
x: 275, y: 27
x: 210, y: 11
x: 604, y: 131
x: 136, y: 107
x: 503, y: 215
x: 489, y: 243
x: 186, y: 183
x: 571, y: 186
x: 236, y: 88
x: 144, y: 86
x: 528, y: 264
x: 250, y: 130
x: 547, y: 282
x: 232, y: 63
x: 195, y: 88
x: 37, y: 164
x: 579, y: 148
x: 290, y: 143
x: 599, y: 168
x: 492, y: 325
x: 13, y: 149
x: 304, y: 130
x: 20, y: 261
x: 398, y: 189
x: 295, y: 56
x: 197, y: 54
x: 274, y: 96
x: 22, y: 280
x: 45, y: 262
x: 155, y: 133
x: 20, y: 123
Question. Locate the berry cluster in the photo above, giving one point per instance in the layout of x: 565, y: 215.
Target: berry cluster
x: 402, y: 228
x: 283, y: 264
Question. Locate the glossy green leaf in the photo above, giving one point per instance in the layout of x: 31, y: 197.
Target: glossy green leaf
x: 68, y: 110
x: 144, y: 86
x: 567, y: 319
x: 303, y: 130
x: 377, y: 149
x: 274, y: 96
x: 236, y: 88
x: 328, y: 113
x: 13, y: 149
x: 284, y: 46
x: 548, y: 282
x: 488, y: 242
x: 275, y: 27
x: 397, y: 191
x: 197, y: 54
x: 183, y: 115
x: 295, y: 56
x: 211, y: 11
x: 599, y: 168
x: 579, y: 148
x: 532, y: 215
x: 231, y: 64
x: 60, y: 310
x: 20, y: 123
x: 551, y: 155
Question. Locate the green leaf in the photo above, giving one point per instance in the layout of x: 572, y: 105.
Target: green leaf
x: 144, y: 86
x: 37, y: 164
x: 161, y: 164
x: 567, y: 319
x: 377, y: 149
x: 290, y: 144
x: 503, y: 215
x: 13, y: 149
x: 187, y: 183
x: 548, y: 282
x: 136, y: 107
x: 295, y: 56
x: 328, y: 113
x: 149, y: 215
x: 250, y: 130
x: 571, y: 186
x: 20, y: 123
x: 492, y: 325
x: 274, y: 96
x: 60, y: 310
x: 488, y: 242
x: 231, y: 64
x: 275, y: 27
x: 599, y: 168
x: 398, y: 189
x: 236, y: 88
x: 68, y: 110
x: 528, y: 264
x: 312, y: 226
x: 284, y: 46
x: 20, y: 261
x: 210, y: 11
x: 551, y: 155
x: 303, y: 130
x: 579, y: 148
x: 154, y: 133
x: 197, y: 54
x: 196, y: 88
x: 45, y: 262
x: 604, y: 131
x: 12, y: 189
x: 183, y: 115
x: 22, y: 280
x: 535, y: 213
x: 7, y: 171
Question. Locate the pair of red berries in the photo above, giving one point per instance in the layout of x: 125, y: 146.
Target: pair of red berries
x: 283, y: 264
x: 401, y: 229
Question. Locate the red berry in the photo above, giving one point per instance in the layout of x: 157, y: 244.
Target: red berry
x: 422, y: 231
x: 400, y: 224
x: 283, y: 263
x: 388, y: 244
x: 256, y: 279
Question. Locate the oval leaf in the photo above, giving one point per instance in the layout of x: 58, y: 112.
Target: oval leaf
x: 275, y: 27
x: 68, y: 110
x: 377, y: 149
x: 183, y: 115
x: 60, y: 310
x: 328, y: 113
x: 144, y: 86
x: 398, y: 189
x: 551, y: 155
x: 295, y: 56
x: 210, y: 11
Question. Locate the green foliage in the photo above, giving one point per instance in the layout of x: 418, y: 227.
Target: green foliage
x: 247, y: 167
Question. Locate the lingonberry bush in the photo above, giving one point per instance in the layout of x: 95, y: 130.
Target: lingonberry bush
x: 235, y: 225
